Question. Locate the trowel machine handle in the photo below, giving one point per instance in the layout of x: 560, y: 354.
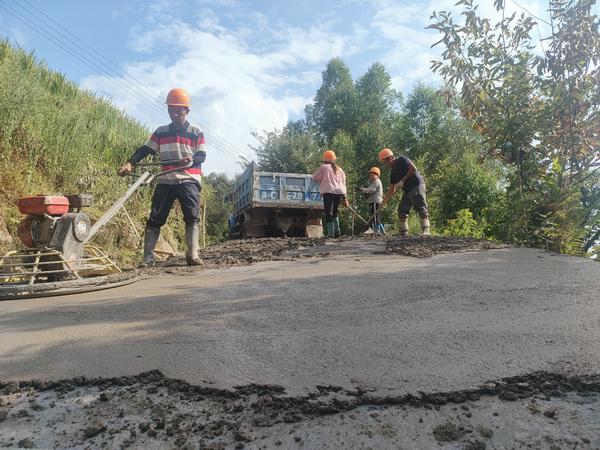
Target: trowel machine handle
x: 143, y: 178
x: 176, y: 164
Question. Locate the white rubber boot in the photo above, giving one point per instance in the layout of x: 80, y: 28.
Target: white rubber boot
x: 151, y: 235
x: 403, y: 226
x: 425, y: 226
x: 192, y: 234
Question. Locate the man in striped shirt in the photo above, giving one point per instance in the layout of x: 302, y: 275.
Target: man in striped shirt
x: 178, y: 141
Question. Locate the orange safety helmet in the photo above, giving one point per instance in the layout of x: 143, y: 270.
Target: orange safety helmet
x: 178, y: 97
x: 385, y: 153
x: 375, y: 170
x: 329, y: 156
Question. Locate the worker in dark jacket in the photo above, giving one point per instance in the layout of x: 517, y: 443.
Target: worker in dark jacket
x: 178, y: 141
x: 405, y: 176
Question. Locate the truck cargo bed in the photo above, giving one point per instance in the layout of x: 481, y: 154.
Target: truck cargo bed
x: 272, y: 203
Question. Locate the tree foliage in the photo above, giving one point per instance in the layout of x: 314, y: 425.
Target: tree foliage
x: 464, y: 225
x: 335, y: 102
x: 537, y: 112
x: 292, y: 149
x: 214, y: 189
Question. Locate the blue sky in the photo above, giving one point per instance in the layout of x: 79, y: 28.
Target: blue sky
x: 250, y: 66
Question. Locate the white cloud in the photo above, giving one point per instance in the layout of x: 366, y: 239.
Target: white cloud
x: 295, y: 105
x: 227, y: 3
x: 122, y: 12
x: 315, y: 45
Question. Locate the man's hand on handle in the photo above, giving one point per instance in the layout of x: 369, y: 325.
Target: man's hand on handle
x: 125, y: 169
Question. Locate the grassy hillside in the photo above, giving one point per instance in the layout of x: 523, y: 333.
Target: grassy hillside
x: 56, y: 138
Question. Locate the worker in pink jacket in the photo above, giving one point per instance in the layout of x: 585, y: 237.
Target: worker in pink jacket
x: 332, y: 181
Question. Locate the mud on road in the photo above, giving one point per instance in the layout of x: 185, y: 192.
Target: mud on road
x: 250, y: 251
x: 540, y: 411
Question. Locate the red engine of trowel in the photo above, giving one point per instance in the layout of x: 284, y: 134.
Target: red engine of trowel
x: 31, y: 229
x: 45, y: 212
x: 53, y: 205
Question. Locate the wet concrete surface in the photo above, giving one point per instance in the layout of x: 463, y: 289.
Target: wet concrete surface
x: 359, y: 319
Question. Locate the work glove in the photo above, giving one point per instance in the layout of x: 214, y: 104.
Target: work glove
x: 400, y: 184
x: 125, y: 169
x: 344, y: 201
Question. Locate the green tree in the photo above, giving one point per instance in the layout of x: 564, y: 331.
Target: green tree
x: 293, y: 149
x: 215, y: 188
x: 537, y: 113
x: 464, y: 185
x: 376, y: 112
x: 376, y: 98
x: 464, y: 225
x: 334, y: 107
x: 431, y: 129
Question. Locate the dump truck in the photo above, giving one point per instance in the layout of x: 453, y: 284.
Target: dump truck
x: 275, y: 204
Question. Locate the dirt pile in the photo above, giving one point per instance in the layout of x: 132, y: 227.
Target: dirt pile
x: 426, y: 246
x: 152, y: 411
x: 250, y: 251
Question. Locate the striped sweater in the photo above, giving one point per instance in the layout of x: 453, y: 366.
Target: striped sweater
x: 175, y: 143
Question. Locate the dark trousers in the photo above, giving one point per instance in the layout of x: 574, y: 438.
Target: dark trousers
x: 188, y: 195
x: 374, y: 210
x: 416, y: 199
x: 331, y: 202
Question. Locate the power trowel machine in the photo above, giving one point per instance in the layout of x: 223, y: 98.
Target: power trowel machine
x: 57, y: 257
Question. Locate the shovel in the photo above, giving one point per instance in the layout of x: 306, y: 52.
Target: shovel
x: 355, y: 212
x: 374, y: 214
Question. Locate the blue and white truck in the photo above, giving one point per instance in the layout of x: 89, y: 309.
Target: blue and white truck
x: 275, y: 204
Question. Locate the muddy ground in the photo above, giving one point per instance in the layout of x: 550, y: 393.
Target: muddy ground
x: 540, y: 411
x: 244, y: 252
